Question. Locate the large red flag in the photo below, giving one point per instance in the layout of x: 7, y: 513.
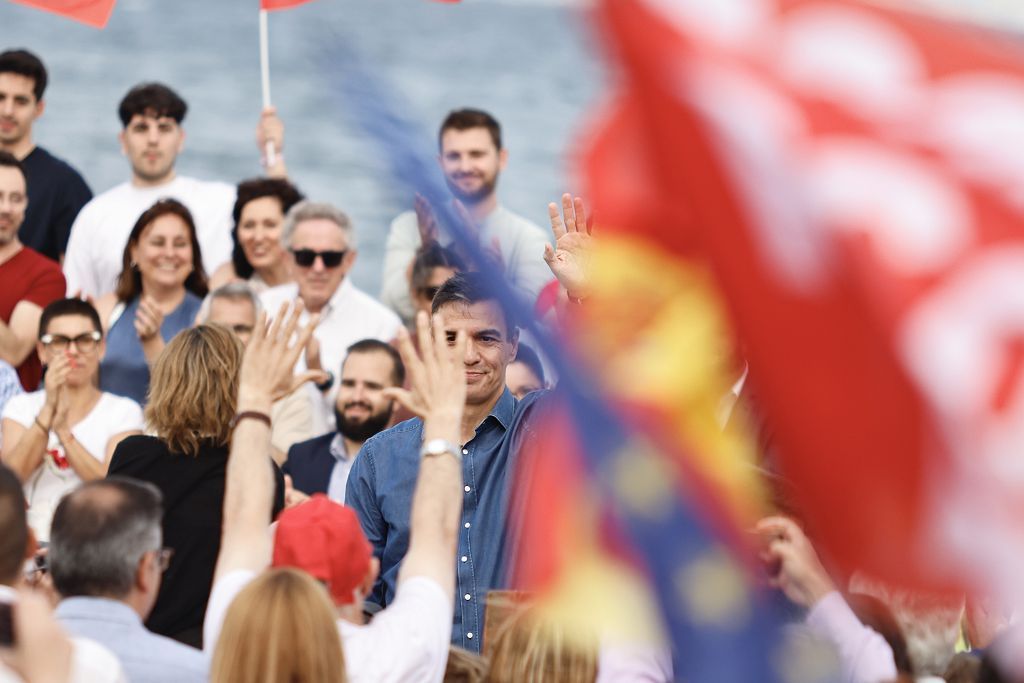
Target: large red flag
x: 92, y: 12
x: 852, y: 173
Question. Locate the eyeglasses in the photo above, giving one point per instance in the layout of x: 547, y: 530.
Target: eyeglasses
x: 429, y: 292
x: 85, y: 342
x: 163, y: 558
x: 306, y: 257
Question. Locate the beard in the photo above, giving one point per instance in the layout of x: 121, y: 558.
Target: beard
x: 486, y: 189
x: 362, y: 429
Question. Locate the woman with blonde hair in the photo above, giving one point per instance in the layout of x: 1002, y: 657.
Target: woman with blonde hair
x: 193, y: 394
x: 531, y: 646
x: 281, y: 627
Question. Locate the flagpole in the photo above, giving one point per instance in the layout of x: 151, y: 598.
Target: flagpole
x: 271, y: 156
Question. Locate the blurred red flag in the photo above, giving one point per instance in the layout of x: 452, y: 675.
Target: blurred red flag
x: 852, y: 172
x: 92, y: 12
x: 271, y: 5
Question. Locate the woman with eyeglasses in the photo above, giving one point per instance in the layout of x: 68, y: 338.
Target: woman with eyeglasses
x: 66, y: 432
x: 159, y: 291
x: 259, y: 258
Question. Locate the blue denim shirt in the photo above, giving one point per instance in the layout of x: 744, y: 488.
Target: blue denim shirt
x: 380, y: 489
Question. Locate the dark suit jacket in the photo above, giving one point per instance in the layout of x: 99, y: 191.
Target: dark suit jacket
x: 310, y: 464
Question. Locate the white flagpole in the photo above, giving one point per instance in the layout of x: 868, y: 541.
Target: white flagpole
x: 265, y: 79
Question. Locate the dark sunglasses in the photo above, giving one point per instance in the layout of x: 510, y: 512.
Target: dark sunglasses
x: 306, y: 257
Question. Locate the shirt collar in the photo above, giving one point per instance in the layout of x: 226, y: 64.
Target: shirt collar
x: 340, y: 294
x: 338, y: 448
x: 85, y: 607
x: 504, y: 409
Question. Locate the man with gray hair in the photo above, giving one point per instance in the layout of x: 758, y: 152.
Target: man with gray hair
x: 236, y: 306
x: 106, y: 561
x: 322, y: 245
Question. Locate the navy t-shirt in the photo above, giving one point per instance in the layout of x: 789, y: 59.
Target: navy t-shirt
x: 56, y: 193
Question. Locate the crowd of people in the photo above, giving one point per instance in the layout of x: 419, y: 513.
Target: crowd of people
x: 222, y: 460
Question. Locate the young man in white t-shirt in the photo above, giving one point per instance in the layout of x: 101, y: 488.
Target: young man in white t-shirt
x: 409, y: 640
x: 151, y: 139
x: 65, y: 433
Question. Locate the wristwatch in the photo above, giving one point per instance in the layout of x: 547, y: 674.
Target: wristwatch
x: 327, y: 383
x: 440, y: 447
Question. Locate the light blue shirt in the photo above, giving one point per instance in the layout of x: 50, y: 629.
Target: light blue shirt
x: 145, y: 656
x: 339, y: 473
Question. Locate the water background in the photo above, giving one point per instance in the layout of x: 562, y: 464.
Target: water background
x: 534, y: 64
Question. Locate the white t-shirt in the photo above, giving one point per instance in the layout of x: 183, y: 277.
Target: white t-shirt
x: 47, y: 485
x: 406, y: 642
x: 96, y: 246
x: 350, y: 316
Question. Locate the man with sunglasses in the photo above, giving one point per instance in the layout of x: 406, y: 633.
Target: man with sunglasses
x: 58, y: 437
x: 321, y: 242
x: 107, y: 562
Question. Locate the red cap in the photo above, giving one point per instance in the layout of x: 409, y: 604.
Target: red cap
x: 325, y: 540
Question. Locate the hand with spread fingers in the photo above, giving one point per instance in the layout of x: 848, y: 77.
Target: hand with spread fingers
x: 570, y: 258
x: 266, y: 373
x: 801, y: 575
x: 437, y: 376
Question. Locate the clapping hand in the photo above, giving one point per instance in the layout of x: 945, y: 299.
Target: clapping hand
x: 148, y: 319
x: 569, y: 260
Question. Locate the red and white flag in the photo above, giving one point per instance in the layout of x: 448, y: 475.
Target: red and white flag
x: 271, y: 5
x: 853, y: 173
x: 92, y: 12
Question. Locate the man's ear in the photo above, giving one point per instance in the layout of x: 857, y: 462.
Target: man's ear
x: 40, y: 108
x: 120, y: 140
x: 513, y: 341
x: 144, y: 574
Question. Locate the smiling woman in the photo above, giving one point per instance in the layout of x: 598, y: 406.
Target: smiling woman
x: 158, y: 294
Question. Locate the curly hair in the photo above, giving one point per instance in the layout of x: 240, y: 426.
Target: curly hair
x: 194, y: 388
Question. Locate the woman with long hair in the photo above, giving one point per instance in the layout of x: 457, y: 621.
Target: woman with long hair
x: 193, y: 395
x: 259, y: 257
x: 281, y: 627
x: 159, y: 290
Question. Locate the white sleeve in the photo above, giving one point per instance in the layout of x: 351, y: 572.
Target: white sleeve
x: 528, y: 271
x: 864, y: 655
x: 78, y: 269
x: 637, y: 663
x: 21, y: 409
x: 403, y: 241
x: 128, y: 417
x: 221, y: 596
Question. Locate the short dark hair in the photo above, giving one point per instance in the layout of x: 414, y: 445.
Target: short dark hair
x: 24, y: 63
x: 251, y: 189
x: 432, y: 255
x: 152, y: 99
x: 129, y: 280
x: 62, y: 307
x: 467, y: 289
x: 99, y: 532
x: 464, y: 119
x: 8, y: 159
x: 377, y: 346
x: 528, y: 357
x: 13, y: 526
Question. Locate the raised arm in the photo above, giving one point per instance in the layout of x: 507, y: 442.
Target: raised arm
x: 438, y: 395
x: 569, y: 260
x: 18, y: 339
x: 248, y: 500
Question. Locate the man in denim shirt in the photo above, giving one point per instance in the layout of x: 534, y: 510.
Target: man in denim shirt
x: 384, y: 475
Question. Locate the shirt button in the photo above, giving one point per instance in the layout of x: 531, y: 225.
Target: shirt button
x: 467, y: 489
x: 467, y: 596
x: 464, y: 558
x: 466, y: 525
x: 465, y: 451
x: 470, y: 636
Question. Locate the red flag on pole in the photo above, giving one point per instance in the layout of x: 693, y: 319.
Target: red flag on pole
x: 271, y: 5
x: 95, y: 13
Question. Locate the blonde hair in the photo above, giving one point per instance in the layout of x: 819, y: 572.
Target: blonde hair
x: 281, y: 627
x: 533, y: 647
x: 194, y: 387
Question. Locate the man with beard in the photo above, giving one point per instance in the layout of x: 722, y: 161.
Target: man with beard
x: 361, y: 410
x: 471, y: 159
x: 30, y: 280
